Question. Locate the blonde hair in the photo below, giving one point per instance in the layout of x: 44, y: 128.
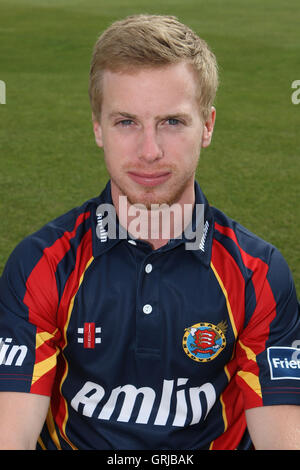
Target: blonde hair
x: 152, y: 41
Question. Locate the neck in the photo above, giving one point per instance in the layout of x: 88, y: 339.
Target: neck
x: 158, y: 224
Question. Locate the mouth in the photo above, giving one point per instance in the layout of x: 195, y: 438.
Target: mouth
x: 149, y: 179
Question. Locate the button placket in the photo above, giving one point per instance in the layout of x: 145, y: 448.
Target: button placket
x: 148, y: 318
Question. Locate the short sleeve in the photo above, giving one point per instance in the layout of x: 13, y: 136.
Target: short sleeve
x: 267, y: 352
x: 28, y: 334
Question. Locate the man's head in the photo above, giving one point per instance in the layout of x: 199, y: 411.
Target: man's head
x: 151, y: 41
x: 152, y: 85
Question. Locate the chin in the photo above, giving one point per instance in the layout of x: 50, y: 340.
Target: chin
x: 165, y: 194
x: 149, y: 200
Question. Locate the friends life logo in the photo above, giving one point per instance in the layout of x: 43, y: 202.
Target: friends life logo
x: 284, y: 362
x: 295, y: 97
x: 2, y: 92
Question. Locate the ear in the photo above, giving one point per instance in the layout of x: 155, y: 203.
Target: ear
x: 209, y: 128
x: 97, y: 131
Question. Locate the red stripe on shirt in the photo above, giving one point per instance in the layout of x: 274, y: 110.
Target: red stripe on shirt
x: 58, y: 404
x: 253, y: 338
x: 233, y: 282
x: 265, y: 310
x: 41, y: 296
x: 234, y: 419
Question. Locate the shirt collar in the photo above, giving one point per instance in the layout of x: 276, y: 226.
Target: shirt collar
x: 107, y: 232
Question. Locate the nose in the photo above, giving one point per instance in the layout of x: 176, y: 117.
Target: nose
x: 150, y: 148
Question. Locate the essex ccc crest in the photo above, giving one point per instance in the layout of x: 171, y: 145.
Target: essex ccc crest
x: 203, y: 342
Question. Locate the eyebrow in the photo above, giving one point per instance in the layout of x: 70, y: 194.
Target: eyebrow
x: 183, y: 116
x: 186, y: 117
x: 115, y: 114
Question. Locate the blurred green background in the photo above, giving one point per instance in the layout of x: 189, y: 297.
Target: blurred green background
x: 49, y: 162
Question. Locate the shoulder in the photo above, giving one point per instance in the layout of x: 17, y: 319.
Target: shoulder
x: 236, y: 237
x: 51, y: 241
x: 258, y: 260
x: 256, y: 270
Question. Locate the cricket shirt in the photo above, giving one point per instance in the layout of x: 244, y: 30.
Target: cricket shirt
x: 148, y: 349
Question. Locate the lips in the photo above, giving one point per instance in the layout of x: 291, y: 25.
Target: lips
x: 149, y: 179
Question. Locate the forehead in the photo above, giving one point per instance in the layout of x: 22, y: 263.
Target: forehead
x: 150, y: 89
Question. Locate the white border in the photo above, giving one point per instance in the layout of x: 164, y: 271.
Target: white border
x: 271, y: 366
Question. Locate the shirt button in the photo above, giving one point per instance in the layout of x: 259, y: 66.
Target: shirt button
x: 148, y: 268
x: 147, y: 309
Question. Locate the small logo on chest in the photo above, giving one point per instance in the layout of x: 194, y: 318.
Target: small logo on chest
x: 203, y: 342
x: 89, y: 335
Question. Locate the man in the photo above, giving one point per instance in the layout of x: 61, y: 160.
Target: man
x: 120, y: 334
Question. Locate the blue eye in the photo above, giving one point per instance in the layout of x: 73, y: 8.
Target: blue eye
x: 173, y: 122
x: 126, y: 122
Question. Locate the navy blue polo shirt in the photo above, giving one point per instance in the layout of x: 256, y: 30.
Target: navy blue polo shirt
x: 148, y: 349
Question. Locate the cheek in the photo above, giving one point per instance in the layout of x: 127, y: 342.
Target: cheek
x: 185, y: 149
x: 119, y: 147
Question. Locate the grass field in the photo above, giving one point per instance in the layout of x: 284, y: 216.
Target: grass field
x: 49, y: 161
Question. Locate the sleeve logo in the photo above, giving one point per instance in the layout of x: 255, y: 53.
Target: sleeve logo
x: 284, y: 363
